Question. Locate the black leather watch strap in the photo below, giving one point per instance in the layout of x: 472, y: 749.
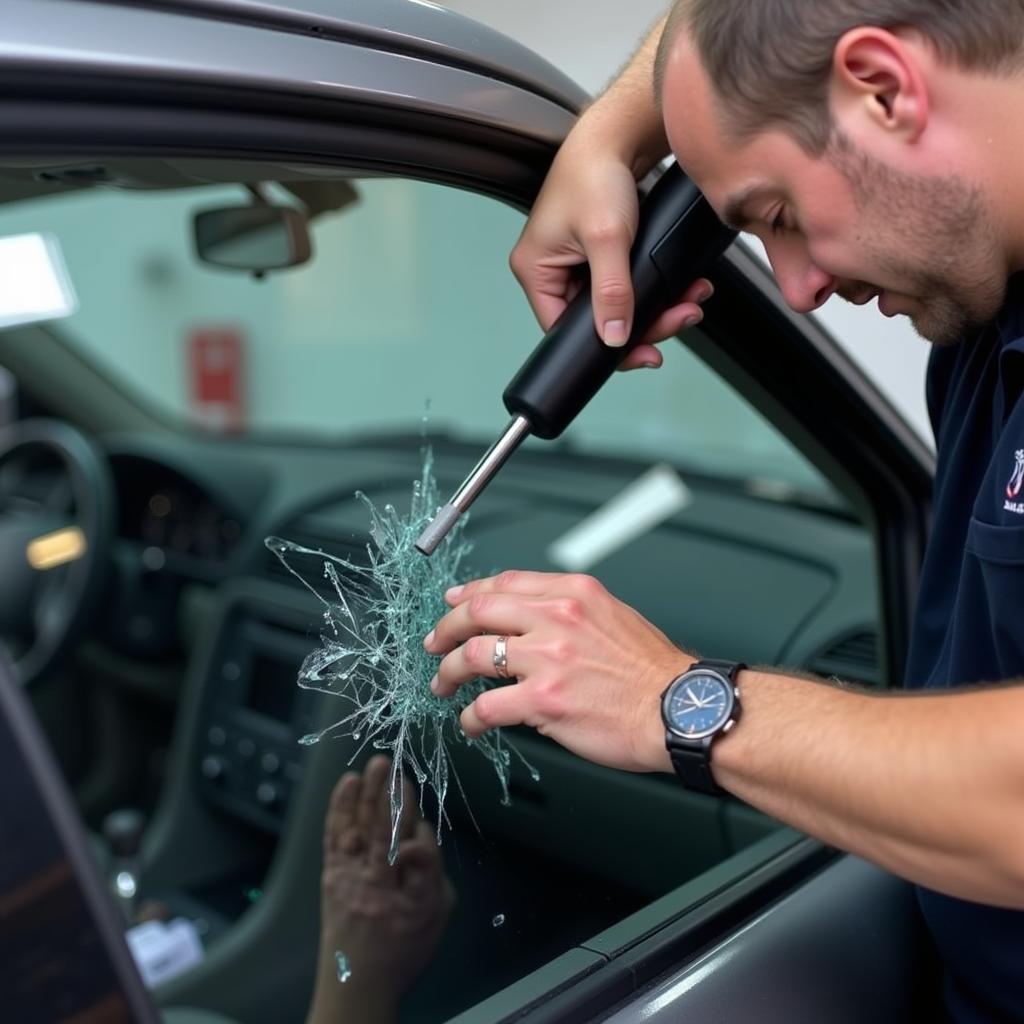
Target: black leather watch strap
x: 729, y: 669
x: 693, y: 766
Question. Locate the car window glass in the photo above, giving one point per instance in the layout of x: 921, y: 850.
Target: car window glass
x: 407, y: 303
x: 397, y: 279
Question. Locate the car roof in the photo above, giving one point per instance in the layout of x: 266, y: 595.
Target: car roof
x: 416, y: 27
x: 406, y: 54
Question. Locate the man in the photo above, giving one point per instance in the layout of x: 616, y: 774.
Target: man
x: 874, y: 147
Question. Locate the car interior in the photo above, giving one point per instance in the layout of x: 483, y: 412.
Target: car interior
x: 238, y: 348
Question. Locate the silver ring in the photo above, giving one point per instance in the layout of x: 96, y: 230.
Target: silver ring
x: 500, y: 658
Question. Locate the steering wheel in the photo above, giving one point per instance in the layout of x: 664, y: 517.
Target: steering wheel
x: 56, y: 525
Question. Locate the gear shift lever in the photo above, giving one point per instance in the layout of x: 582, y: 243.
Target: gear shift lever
x: 122, y: 831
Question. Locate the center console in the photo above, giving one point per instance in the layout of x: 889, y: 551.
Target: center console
x: 248, y: 758
x: 236, y: 839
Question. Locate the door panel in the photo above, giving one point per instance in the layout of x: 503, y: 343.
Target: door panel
x: 849, y: 946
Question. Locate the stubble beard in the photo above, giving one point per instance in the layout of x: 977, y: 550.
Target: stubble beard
x: 958, y: 281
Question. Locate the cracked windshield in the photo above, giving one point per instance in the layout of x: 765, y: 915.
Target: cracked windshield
x: 288, y: 372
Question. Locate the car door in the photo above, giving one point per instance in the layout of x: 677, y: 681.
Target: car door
x: 438, y: 101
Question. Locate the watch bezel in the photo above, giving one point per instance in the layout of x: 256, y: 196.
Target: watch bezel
x: 730, y: 689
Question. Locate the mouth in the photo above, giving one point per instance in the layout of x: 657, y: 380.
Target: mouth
x: 885, y: 304
x: 861, y: 298
x: 888, y: 302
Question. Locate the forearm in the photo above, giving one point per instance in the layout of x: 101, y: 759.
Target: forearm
x: 929, y: 786
x: 624, y: 118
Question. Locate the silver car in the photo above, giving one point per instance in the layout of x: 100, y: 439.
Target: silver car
x: 179, y: 384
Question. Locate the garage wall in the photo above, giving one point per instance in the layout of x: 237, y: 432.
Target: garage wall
x: 590, y: 40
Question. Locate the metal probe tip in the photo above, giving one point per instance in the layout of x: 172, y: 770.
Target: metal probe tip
x: 437, y: 530
x: 481, y: 476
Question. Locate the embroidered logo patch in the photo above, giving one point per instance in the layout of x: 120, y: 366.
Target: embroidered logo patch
x: 1016, y: 484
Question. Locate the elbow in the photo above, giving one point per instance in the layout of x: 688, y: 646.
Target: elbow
x: 1007, y: 863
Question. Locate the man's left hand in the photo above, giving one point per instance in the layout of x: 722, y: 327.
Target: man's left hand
x: 588, y: 670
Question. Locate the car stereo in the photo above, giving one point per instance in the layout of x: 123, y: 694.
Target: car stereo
x: 249, y: 758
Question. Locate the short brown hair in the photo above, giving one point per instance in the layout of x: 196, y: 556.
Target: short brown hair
x: 770, y: 60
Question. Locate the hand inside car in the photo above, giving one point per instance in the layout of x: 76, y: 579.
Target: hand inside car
x: 589, y: 670
x: 385, y: 920
x: 587, y: 213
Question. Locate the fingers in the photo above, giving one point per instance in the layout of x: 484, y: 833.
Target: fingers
x: 420, y: 855
x: 611, y: 285
x: 374, y: 783
x: 683, y: 315
x: 673, y: 322
x: 504, y: 706
x: 341, y: 826
x: 472, y: 659
x: 700, y: 291
x: 410, y: 811
x: 359, y: 813
x: 424, y: 833
x: 512, y: 581
x: 549, y: 289
x: 500, y: 614
x: 503, y: 605
x: 670, y: 324
x: 421, y: 875
x: 642, y: 357
x: 380, y: 829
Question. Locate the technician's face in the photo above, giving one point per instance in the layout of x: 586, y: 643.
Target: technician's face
x: 842, y: 222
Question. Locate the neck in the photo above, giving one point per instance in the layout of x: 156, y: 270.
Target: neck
x: 994, y: 109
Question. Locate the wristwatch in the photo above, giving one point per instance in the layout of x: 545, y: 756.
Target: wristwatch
x: 698, y: 707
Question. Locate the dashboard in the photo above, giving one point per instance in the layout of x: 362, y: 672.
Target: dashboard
x: 202, y: 624
x: 733, y: 573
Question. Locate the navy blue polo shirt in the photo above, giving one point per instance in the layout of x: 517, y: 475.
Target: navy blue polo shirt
x: 969, y: 624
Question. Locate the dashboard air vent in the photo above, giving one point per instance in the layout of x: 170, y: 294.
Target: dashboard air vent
x: 852, y: 657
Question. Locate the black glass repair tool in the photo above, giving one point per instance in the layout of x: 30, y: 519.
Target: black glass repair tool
x: 678, y: 238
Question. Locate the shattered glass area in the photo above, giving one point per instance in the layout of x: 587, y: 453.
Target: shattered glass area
x: 371, y: 655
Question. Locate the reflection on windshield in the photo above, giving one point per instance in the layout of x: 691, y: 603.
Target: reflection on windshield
x: 372, y: 656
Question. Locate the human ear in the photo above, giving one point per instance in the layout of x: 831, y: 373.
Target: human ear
x: 877, y: 76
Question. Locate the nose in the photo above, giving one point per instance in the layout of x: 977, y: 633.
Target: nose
x: 805, y: 286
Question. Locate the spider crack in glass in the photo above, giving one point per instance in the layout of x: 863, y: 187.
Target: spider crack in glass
x: 371, y: 653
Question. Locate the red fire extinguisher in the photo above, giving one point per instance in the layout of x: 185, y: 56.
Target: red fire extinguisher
x: 216, y: 381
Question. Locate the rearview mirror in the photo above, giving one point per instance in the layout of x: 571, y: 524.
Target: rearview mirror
x: 256, y: 238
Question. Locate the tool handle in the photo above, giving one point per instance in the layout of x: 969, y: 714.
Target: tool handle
x: 678, y: 238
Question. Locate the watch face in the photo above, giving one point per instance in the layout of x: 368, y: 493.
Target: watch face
x: 697, y: 705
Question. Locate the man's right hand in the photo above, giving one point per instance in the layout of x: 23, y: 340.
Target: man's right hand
x: 587, y: 213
